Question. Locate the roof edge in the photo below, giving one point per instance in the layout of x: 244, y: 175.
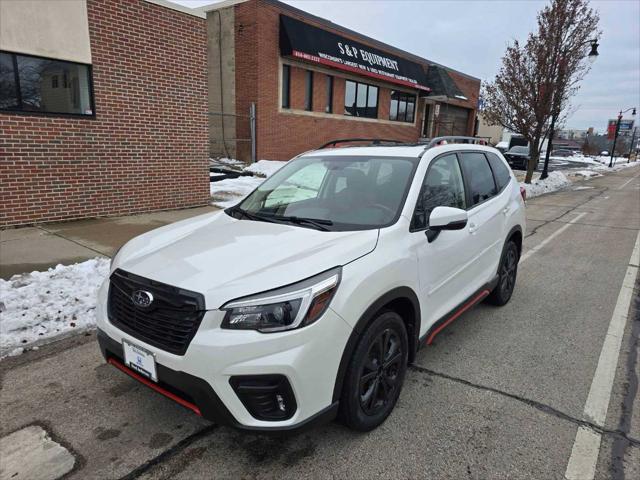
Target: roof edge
x: 178, y: 8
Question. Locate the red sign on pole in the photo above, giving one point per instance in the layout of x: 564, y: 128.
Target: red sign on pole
x: 611, y: 129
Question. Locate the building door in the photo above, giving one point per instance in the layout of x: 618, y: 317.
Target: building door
x: 427, y: 121
x: 453, y: 121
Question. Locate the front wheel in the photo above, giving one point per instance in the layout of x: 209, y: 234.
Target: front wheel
x: 376, y: 373
x: 507, y: 273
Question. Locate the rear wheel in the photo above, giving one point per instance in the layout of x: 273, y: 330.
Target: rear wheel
x: 376, y: 373
x: 507, y: 273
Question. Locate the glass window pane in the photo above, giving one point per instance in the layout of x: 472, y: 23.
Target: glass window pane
x: 501, y: 172
x: 402, y: 109
x: 442, y: 187
x: 8, y: 90
x: 286, y: 77
x: 372, y: 102
x: 350, y: 98
x: 393, y: 109
x: 362, y: 100
x: 69, y: 93
x: 478, y: 176
x: 410, y: 110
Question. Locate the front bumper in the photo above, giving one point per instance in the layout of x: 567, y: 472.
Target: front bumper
x: 307, y: 357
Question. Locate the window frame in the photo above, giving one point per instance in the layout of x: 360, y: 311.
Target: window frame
x: 20, y: 111
x: 308, y: 90
x: 285, y: 93
x: 413, y: 229
x: 402, y: 97
x: 495, y: 177
x: 366, y: 107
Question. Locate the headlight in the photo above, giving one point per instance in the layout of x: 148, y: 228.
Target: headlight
x: 295, y: 306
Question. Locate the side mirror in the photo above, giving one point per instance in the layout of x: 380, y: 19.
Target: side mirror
x: 445, y: 218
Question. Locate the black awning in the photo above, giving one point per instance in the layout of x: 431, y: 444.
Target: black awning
x: 301, y: 40
x: 442, y: 84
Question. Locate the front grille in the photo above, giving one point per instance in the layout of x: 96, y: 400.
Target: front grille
x: 169, y: 323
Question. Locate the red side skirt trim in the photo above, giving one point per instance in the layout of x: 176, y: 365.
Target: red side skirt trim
x: 154, y: 386
x: 459, y: 312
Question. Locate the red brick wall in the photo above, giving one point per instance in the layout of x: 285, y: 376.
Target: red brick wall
x: 282, y: 134
x: 145, y: 150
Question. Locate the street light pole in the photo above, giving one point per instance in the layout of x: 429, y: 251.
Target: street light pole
x: 615, y: 138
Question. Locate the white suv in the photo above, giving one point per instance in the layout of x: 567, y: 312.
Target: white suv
x: 311, y: 296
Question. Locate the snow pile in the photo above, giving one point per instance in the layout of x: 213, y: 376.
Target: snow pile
x: 231, y: 191
x: 555, y: 181
x: 265, y: 168
x: 41, y: 305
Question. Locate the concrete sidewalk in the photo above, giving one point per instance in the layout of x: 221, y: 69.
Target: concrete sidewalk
x: 37, y: 248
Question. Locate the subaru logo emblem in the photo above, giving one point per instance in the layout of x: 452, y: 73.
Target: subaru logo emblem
x: 142, y: 298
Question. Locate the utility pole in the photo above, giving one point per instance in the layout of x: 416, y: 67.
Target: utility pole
x: 615, y: 138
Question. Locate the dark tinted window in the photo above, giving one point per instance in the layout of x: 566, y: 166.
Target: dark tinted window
x: 8, y: 90
x: 500, y: 170
x: 402, y: 107
x: 478, y: 176
x: 308, y: 90
x: 442, y: 187
x: 44, y: 85
x: 329, y: 106
x: 286, y: 82
x: 360, y: 100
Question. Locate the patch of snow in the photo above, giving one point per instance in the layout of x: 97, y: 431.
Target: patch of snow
x: 504, y: 145
x: 226, y: 161
x: 587, y: 173
x: 42, y: 305
x: 230, y: 191
x: 265, y: 168
x: 555, y: 181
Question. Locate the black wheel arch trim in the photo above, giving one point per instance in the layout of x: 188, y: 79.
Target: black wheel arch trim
x: 513, y: 230
x: 399, y: 293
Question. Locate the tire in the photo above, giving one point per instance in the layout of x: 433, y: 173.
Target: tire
x: 366, y: 403
x: 507, y: 274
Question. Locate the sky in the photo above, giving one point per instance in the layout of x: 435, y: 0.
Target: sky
x: 471, y: 36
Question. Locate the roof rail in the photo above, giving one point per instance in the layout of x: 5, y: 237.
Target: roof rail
x: 374, y: 141
x: 457, y: 139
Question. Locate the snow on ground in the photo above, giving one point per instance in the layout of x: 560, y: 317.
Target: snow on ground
x: 586, y: 173
x: 38, y: 306
x: 555, y: 181
x: 230, y: 191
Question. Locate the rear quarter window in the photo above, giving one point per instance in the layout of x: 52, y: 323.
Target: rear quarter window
x: 500, y: 170
x: 478, y: 177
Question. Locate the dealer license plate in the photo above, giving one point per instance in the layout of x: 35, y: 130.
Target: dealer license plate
x: 140, y: 360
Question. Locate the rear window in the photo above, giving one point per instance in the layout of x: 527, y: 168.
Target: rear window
x: 500, y: 170
x: 478, y: 177
x: 519, y: 149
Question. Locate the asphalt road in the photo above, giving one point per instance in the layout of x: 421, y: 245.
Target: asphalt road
x: 500, y: 394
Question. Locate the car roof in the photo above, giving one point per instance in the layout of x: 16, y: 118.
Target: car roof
x: 397, y: 151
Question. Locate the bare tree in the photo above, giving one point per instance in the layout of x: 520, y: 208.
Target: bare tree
x: 537, y: 80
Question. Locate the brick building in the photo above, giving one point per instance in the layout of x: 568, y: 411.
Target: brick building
x: 313, y: 81
x: 103, y: 108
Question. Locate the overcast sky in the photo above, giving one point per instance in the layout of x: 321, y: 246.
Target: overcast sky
x: 471, y: 36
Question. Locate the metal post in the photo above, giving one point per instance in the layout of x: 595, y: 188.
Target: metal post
x: 633, y: 139
x: 615, y: 139
x: 252, y: 123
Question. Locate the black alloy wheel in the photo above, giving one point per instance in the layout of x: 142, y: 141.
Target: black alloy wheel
x: 507, y: 274
x: 375, y: 373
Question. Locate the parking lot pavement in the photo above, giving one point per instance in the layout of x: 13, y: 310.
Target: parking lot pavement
x: 500, y: 394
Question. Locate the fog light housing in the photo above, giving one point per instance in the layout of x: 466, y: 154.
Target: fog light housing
x: 266, y: 397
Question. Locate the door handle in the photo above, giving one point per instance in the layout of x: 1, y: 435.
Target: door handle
x: 472, y: 228
x: 506, y: 210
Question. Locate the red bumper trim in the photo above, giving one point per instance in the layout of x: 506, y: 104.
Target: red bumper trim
x: 154, y: 386
x: 462, y: 309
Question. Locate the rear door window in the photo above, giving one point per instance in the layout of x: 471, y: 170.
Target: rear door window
x: 478, y: 177
x: 500, y: 170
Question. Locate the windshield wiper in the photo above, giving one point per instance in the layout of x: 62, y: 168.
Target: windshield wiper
x: 251, y: 216
x: 318, y: 223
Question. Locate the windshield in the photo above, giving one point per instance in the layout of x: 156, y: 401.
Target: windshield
x: 519, y: 149
x: 332, y: 193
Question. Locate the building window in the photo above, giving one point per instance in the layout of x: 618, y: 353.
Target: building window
x: 308, y: 90
x: 360, y: 100
x: 403, y: 107
x: 286, y: 88
x: 329, y: 107
x: 32, y: 84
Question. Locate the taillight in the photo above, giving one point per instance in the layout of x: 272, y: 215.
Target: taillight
x: 523, y: 193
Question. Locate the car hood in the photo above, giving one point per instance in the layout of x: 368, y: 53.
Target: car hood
x: 224, y: 258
